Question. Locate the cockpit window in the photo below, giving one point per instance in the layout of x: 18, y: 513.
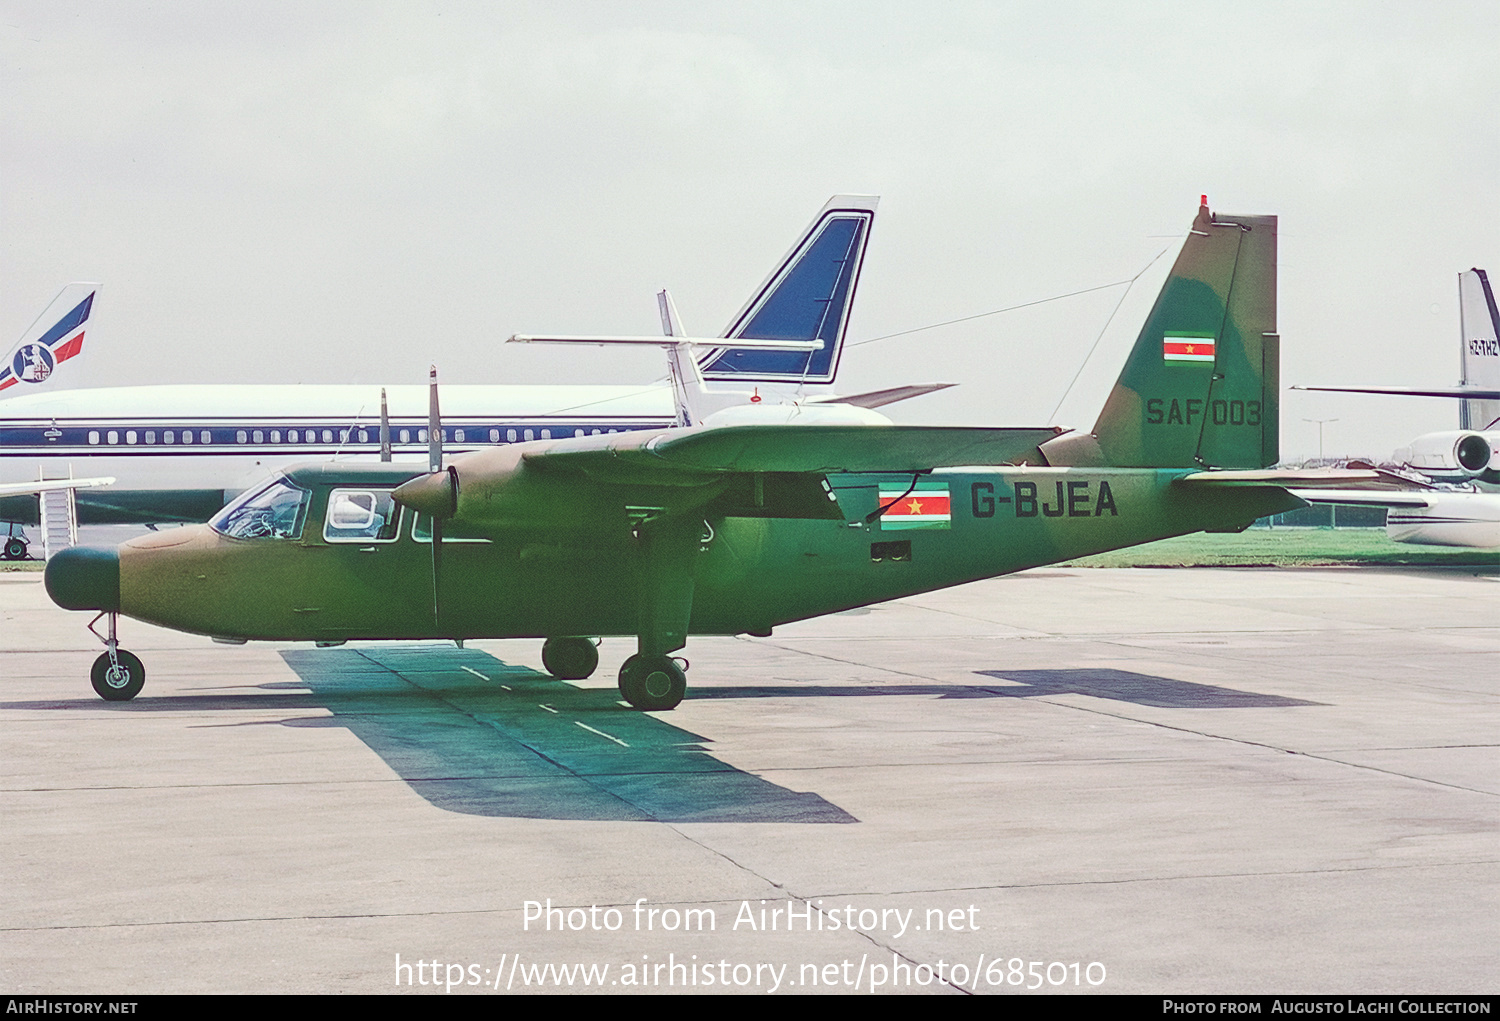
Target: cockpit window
x: 361, y: 515
x: 275, y: 511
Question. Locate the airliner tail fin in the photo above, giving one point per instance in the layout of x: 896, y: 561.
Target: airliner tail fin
x: 808, y: 296
x: 55, y: 337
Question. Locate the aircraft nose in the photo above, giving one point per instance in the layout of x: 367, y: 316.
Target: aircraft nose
x: 84, y: 578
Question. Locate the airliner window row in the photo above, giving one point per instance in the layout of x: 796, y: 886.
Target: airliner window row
x: 292, y: 436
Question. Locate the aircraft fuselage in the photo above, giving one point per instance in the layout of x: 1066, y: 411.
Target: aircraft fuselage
x: 748, y: 574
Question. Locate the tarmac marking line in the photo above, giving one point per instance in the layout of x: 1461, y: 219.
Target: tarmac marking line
x: 602, y: 734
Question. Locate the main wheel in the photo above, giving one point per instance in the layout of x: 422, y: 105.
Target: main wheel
x: 118, y: 683
x: 15, y: 549
x: 569, y: 659
x: 652, y: 683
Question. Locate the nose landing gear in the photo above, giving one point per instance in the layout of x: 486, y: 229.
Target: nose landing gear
x: 117, y: 676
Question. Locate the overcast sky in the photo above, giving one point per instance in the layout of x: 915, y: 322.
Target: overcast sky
x: 332, y: 192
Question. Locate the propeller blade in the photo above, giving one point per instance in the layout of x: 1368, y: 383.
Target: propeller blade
x: 437, y: 561
x: 385, y: 428
x: 434, y: 424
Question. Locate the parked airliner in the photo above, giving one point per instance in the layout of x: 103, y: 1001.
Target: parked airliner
x: 179, y: 452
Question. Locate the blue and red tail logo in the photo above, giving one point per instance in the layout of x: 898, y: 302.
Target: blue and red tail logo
x: 35, y: 361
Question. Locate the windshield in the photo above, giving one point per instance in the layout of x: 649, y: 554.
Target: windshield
x: 275, y: 511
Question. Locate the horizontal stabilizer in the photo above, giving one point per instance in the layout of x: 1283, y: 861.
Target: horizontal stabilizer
x: 792, y: 448
x: 747, y: 344
x: 1473, y: 393
x: 890, y: 395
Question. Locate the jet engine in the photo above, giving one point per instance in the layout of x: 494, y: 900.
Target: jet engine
x: 1468, y: 454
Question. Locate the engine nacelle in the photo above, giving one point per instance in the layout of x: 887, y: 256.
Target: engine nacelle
x: 1468, y: 454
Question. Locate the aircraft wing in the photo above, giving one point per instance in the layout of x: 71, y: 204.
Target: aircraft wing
x: 1473, y: 393
x: 793, y: 449
x: 744, y: 470
x: 27, y: 488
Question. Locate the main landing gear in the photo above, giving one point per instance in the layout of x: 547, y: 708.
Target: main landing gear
x: 13, y: 544
x: 653, y: 683
x: 570, y: 659
x: 118, y: 676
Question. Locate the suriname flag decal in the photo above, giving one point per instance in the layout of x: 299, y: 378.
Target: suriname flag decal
x: 924, y: 507
x: 1187, y: 348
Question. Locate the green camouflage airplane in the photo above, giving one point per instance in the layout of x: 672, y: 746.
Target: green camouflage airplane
x: 722, y: 530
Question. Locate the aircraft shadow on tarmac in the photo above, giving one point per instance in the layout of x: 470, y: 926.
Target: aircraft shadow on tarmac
x: 473, y: 734
x: 1116, y: 685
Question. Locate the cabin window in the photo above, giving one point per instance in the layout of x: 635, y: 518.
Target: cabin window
x: 259, y: 436
x: 364, y: 436
x: 530, y: 435
x: 206, y: 436
x: 421, y: 531
x: 405, y: 435
x: 546, y: 434
x: 458, y: 436
x: 343, y: 435
x: 150, y: 435
x: 577, y: 432
x: 113, y: 436
x: 421, y: 435
x: 327, y: 435
x: 240, y: 436
x: 361, y: 515
x: 596, y: 432
x: 129, y: 435
x: 187, y: 435
x: 494, y: 435
x: 510, y: 436
x: 275, y: 511
x: 275, y: 435
x: 166, y: 437
x: 93, y: 435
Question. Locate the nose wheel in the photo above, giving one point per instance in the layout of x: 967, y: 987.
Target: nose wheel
x: 117, y: 676
x: 652, y: 683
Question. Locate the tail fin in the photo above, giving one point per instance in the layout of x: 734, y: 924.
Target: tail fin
x: 55, y: 337
x: 1200, y: 388
x: 1479, y: 354
x: 807, y: 297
